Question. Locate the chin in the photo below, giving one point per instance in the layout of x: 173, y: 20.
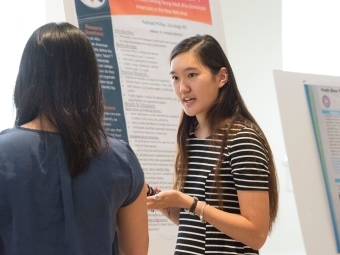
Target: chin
x: 190, y: 114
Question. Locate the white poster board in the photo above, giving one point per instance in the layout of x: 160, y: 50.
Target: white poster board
x: 324, y: 107
x: 304, y: 161
x: 133, y: 40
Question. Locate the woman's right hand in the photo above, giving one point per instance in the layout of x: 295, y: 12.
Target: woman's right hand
x: 163, y: 199
x: 167, y: 203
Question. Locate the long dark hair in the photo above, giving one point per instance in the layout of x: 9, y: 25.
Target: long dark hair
x: 58, y: 79
x: 228, y: 106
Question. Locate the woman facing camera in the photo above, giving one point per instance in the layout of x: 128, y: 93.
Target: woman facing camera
x: 66, y: 187
x: 225, y: 196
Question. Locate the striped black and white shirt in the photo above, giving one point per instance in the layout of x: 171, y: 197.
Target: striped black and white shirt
x: 245, y: 167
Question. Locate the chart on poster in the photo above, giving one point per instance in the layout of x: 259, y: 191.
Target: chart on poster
x: 132, y: 40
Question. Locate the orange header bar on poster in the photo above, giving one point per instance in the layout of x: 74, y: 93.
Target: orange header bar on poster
x: 194, y: 10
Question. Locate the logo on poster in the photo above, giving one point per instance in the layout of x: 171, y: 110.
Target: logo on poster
x: 94, y: 4
x: 326, y: 102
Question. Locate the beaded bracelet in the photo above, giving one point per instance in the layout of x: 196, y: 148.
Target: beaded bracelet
x: 201, y: 213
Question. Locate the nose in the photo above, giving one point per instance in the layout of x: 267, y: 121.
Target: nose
x: 183, y: 87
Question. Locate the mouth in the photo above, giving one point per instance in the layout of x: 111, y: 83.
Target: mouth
x: 188, y: 100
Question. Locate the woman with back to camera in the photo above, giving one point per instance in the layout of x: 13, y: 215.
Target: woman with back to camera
x: 65, y: 186
x: 225, y: 196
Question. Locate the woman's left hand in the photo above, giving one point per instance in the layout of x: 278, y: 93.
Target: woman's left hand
x: 168, y: 198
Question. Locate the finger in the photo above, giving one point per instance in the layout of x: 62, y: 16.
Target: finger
x: 150, y: 199
x: 152, y: 206
x: 157, y: 196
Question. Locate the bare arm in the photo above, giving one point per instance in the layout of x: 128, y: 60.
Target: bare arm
x: 132, y: 227
x: 172, y: 213
x: 169, y: 204
x: 250, y: 227
x: 172, y: 199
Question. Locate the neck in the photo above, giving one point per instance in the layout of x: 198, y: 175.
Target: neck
x: 40, y: 123
x: 202, y: 131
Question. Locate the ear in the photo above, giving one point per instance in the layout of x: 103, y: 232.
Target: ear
x: 222, y: 77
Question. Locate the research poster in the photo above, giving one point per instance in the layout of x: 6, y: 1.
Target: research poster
x: 132, y: 40
x: 324, y: 106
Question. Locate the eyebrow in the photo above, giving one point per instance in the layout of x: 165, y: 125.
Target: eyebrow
x: 186, y: 69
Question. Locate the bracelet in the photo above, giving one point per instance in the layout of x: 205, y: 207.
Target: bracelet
x: 201, y: 213
x: 152, y: 191
x: 193, y: 207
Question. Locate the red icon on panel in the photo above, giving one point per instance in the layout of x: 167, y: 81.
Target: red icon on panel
x: 326, y: 102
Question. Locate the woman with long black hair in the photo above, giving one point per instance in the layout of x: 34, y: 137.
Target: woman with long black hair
x: 65, y: 186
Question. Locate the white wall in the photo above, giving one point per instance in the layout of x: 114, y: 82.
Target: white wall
x: 311, y: 36
x: 254, y: 42
x: 18, y: 23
